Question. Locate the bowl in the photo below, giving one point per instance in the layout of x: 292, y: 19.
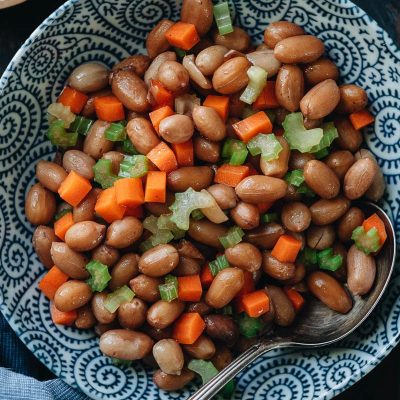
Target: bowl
x: 107, y: 31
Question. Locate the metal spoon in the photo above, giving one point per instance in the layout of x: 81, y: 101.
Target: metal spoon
x: 318, y: 325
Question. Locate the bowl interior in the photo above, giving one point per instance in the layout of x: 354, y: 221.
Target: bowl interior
x: 106, y: 32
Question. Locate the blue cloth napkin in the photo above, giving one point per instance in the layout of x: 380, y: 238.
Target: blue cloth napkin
x: 16, y: 362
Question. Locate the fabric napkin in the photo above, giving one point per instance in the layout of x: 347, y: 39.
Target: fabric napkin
x: 16, y: 362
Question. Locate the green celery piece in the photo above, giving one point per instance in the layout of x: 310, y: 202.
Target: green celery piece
x: 249, y: 327
x: 257, y: 81
x: 179, y: 52
x: 81, y: 125
x: 115, y: 132
x: 328, y: 261
x: 150, y: 223
x: 99, y: 275
x: 368, y: 242
x: 103, y: 174
x: 265, y: 144
x: 146, y: 245
x: 321, y: 153
x: 269, y: 217
x: 197, y: 215
x: 117, y: 297
x: 61, y: 213
x: 128, y: 147
x: 330, y: 133
x: 135, y: 166
x: 234, y: 150
x: 59, y: 136
x: 207, y: 371
x: 295, y: 177
x: 238, y: 157
x: 187, y: 202
x: 58, y: 111
x: 298, y: 137
x: 218, y: 265
x: 304, y: 189
x: 232, y: 238
x: 164, y: 223
x: 308, y: 256
x: 169, y: 290
x: 121, y: 363
x: 162, y: 236
x: 223, y: 18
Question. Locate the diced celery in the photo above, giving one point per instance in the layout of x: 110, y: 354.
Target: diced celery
x: 169, y: 290
x: 59, y: 136
x: 133, y: 166
x: 249, y: 327
x: 232, y: 238
x: 218, y: 264
x: 117, y: 297
x: 187, y: 202
x: 368, y: 242
x: 223, y: 18
x: 265, y: 144
x: 295, y: 177
x: 328, y: 261
x: 150, y: 223
x: 270, y: 217
x: 99, y: 276
x: 103, y: 173
x: 304, y: 189
x: 58, y: 111
x: 197, y: 215
x: 234, y: 150
x: 81, y: 125
x: 321, y: 153
x: 330, y: 133
x: 257, y: 81
x: 164, y: 223
x: 298, y: 137
x: 308, y: 256
x: 128, y: 147
x: 115, y: 132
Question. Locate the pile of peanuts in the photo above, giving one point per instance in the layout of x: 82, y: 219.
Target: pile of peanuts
x: 305, y: 80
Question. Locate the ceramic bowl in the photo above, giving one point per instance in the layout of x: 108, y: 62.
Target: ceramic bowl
x: 107, y: 31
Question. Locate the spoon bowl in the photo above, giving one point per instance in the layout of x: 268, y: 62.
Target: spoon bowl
x: 317, y: 325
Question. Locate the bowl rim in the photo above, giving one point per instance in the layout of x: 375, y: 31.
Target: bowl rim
x: 375, y: 28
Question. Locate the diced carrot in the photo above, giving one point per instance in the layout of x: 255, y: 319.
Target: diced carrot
x: 264, y: 207
x: 188, y: 328
x: 52, y: 281
x: 109, y: 108
x: 72, y: 98
x: 129, y: 192
x: 156, y: 187
x: 184, y: 153
x: 161, y: 95
x: 107, y: 207
x: 63, y: 224
x: 361, y: 119
x: 286, y: 249
x: 163, y: 157
x: 231, y: 175
x: 61, y: 317
x: 219, y: 103
x: 158, y: 115
x: 375, y: 222
x: 189, y: 288
x: 295, y: 298
x: 206, y: 276
x: 252, y: 126
x: 74, y: 188
x: 182, y: 35
x: 134, y: 212
x: 267, y: 98
x: 256, y: 303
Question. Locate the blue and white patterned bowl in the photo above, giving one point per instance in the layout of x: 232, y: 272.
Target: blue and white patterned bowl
x: 106, y: 31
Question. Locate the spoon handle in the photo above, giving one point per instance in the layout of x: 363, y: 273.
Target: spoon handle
x: 219, y: 381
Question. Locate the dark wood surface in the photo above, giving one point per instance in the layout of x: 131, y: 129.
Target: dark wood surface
x: 18, y: 22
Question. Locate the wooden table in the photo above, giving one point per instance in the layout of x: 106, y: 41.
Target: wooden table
x: 18, y: 22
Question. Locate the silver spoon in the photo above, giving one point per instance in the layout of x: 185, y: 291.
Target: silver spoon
x: 318, y: 325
